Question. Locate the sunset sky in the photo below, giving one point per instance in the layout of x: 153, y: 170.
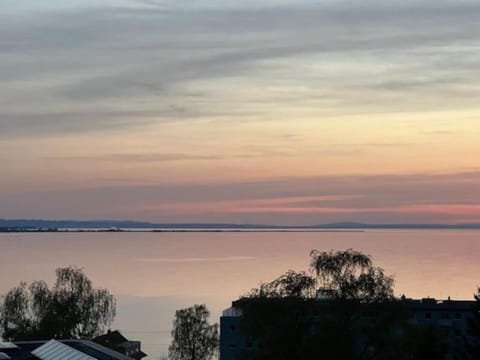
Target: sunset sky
x: 274, y: 111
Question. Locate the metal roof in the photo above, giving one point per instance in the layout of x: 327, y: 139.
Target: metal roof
x: 96, y: 350
x: 55, y: 350
x: 7, y: 345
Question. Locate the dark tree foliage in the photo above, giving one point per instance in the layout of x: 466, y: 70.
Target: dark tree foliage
x: 359, y: 320
x: 278, y: 327
x: 71, y: 309
x: 474, y: 348
x: 193, y: 338
x: 476, y: 327
x: 291, y: 284
x: 350, y: 275
x: 426, y: 342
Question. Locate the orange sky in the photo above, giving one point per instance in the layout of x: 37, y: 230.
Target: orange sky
x: 168, y: 100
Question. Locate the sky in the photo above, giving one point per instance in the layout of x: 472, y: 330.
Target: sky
x: 274, y: 112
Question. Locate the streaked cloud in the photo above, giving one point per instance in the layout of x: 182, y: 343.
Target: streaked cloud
x: 84, y: 67
x: 136, y: 157
x: 265, y: 205
x: 432, y: 209
x: 444, y: 198
x: 195, y: 260
x: 249, y: 111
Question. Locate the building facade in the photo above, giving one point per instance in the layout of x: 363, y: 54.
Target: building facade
x: 451, y: 318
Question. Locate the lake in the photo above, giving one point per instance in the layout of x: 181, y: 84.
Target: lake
x: 152, y: 274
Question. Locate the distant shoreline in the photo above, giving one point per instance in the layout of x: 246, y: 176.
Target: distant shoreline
x: 40, y: 225
x: 221, y: 230
x: 23, y: 231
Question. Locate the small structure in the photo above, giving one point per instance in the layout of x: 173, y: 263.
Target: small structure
x: 116, y: 341
x: 4, y: 347
x: 7, y: 345
x: 59, y: 350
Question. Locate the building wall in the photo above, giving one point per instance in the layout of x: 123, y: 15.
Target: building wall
x: 232, y: 343
x: 452, y: 317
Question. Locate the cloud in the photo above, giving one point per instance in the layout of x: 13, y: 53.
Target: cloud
x: 89, y: 63
x: 195, y: 260
x: 431, y: 209
x: 142, y: 158
x: 388, y: 198
x: 58, y: 122
x: 168, y: 157
x: 263, y: 205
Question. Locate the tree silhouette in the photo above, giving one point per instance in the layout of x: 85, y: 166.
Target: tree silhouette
x: 291, y: 284
x: 350, y: 275
x: 193, y: 338
x: 358, y: 319
x: 474, y: 348
x: 71, y: 309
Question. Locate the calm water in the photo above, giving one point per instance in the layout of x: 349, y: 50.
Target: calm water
x: 152, y: 274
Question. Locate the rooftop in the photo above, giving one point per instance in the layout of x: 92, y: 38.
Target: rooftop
x: 62, y: 350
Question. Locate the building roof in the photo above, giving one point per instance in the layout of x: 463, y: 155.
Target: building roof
x: 7, y: 345
x: 116, y: 341
x: 89, y: 350
x: 110, y: 338
x: 55, y: 350
x: 427, y: 304
x: 439, y: 305
x: 96, y: 350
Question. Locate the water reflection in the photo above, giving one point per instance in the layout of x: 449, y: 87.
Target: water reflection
x: 153, y: 274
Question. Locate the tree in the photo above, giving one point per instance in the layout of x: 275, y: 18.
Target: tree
x: 16, y: 319
x: 291, y: 284
x: 285, y: 320
x: 193, y: 338
x: 350, y: 275
x: 474, y: 347
x: 71, y: 309
x: 427, y: 342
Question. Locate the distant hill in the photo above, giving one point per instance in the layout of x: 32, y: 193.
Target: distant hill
x: 107, y: 224
x: 353, y: 225
x: 32, y: 224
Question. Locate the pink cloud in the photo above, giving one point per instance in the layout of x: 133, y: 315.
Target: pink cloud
x: 250, y: 205
x: 297, y: 205
x: 450, y: 209
x: 446, y: 209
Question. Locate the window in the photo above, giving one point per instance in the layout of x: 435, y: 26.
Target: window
x: 445, y: 316
x: 233, y: 328
x: 428, y: 315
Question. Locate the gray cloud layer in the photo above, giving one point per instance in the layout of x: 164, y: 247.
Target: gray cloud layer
x: 83, y: 68
x: 357, y: 193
